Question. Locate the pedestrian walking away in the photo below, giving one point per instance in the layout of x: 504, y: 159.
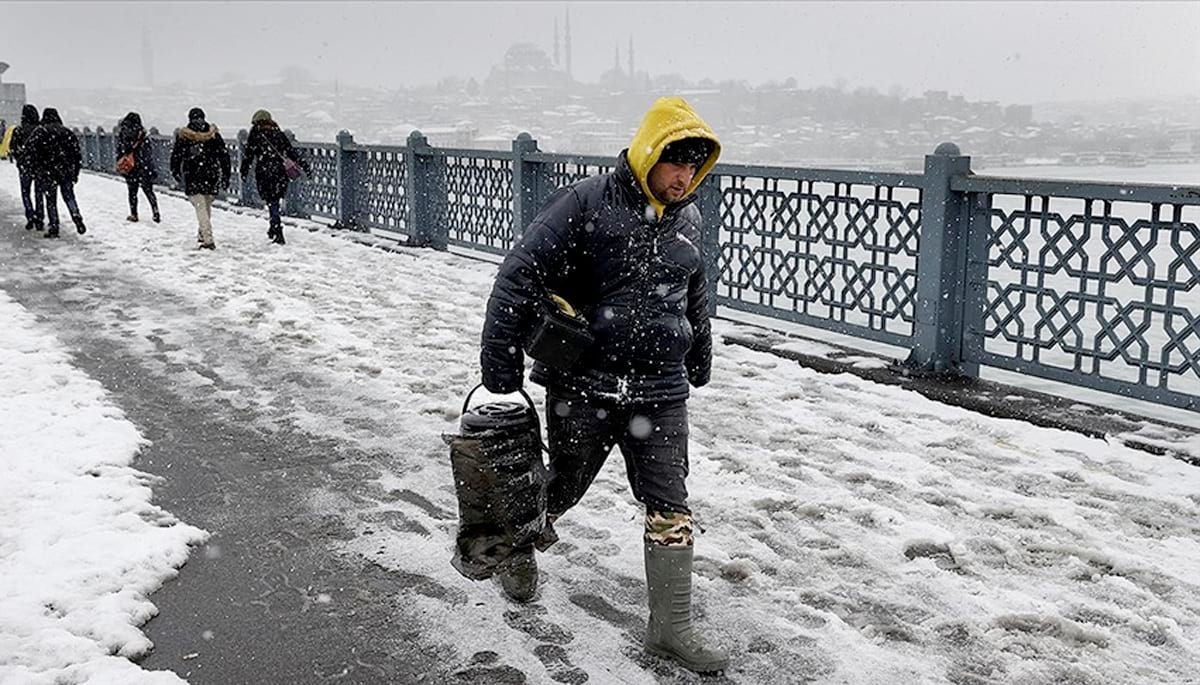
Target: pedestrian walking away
x: 134, y: 145
x: 619, y: 251
x: 6, y: 132
x: 54, y: 152
x: 200, y: 164
x: 18, y: 143
x: 275, y: 163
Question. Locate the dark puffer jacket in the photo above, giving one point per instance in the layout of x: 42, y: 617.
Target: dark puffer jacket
x: 20, y: 138
x: 200, y: 160
x: 266, y: 146
x: 131, y: 137
x: 53, y: 150
x: 638, y: 281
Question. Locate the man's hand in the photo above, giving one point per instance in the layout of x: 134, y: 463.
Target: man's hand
x: 502, y: 384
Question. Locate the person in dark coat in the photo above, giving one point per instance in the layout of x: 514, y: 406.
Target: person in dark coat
x: 622, y: 248
x: 18, y: 144
x: 266, y: 149
x: 132, y: 138
x: 54, y: 152
x: 200, y: 163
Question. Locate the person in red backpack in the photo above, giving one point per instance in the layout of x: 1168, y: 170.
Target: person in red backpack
x: 132, y: 139
x: 271, y: 153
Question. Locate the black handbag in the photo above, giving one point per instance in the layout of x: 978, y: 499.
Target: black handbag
x: 560, y: 335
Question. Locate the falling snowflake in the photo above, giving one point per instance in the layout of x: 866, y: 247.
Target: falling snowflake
x: 640, y: 427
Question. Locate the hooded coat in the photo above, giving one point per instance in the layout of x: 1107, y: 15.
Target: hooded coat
x: 629, y: 263
x: 131, y: 137
x: 199, y: 159
x: 266, y: 146
x: 53, y: 150
x: 20, y: 137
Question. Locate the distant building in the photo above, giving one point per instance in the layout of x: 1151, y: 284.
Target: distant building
x: 621, y: 79
x: 12, y: 98
x: 460, y: 134
x: 147, y: 59
x: 526, y: 67
x: 1018, y: 115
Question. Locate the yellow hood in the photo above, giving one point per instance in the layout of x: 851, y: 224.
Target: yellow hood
x: 668, y: 120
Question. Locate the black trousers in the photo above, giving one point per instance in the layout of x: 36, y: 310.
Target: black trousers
x: 653, y: 438
x: 147, y: 186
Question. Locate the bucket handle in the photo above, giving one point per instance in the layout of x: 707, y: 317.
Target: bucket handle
x: 528, y: 399
x: 537, y: 421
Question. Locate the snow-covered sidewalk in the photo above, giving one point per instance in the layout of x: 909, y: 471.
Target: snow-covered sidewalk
x: 81, y: 546
x: 851, y: 532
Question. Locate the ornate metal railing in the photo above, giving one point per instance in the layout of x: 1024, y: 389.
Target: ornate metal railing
x: 476, y: 189
x: 383, y: 200
x: 1093, y: 284
x: 834, y: 249
x: 318, y: 194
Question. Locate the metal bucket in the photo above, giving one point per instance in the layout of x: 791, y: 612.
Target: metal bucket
x: 500, y: 481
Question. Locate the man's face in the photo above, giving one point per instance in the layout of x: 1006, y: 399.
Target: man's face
x: 669, y: 181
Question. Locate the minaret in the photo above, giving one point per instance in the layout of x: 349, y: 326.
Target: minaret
x: 617, y: 57
x: 147, y: 59
x: 337, y: 100
x: 556, y: 42
x: 631, y: 72
x: 568, y: 43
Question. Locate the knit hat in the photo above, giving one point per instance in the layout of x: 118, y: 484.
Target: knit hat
x: 261, y: 116
x: 687, y: 151
x: 195, y: 114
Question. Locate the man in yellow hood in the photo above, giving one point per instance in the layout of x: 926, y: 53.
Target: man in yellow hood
x: 622, y: 249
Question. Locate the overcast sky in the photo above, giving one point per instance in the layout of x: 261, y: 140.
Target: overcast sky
x: 1007, y: 51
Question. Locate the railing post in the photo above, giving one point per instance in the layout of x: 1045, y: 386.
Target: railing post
x: 244, y: 189
x: 350, y: 169
x: 108, y: 150
x: 173, y: 182
x: 942, y: 269
x: 248, y: 190
x: 425, y: 194
x: 529, y: 181
x: 161, y: 154
x: 85, y: 143
x: 94, y: 142
x: 708, y: 199
x: 294, y: 200
x: 155, y: 152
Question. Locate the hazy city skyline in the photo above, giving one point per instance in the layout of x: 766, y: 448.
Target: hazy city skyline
x: 1005, y: 51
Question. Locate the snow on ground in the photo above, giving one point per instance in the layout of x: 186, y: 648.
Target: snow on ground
x: 81, y: 546
x: 850, y: 532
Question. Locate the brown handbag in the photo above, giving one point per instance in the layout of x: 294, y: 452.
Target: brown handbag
x: 126, y: 162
